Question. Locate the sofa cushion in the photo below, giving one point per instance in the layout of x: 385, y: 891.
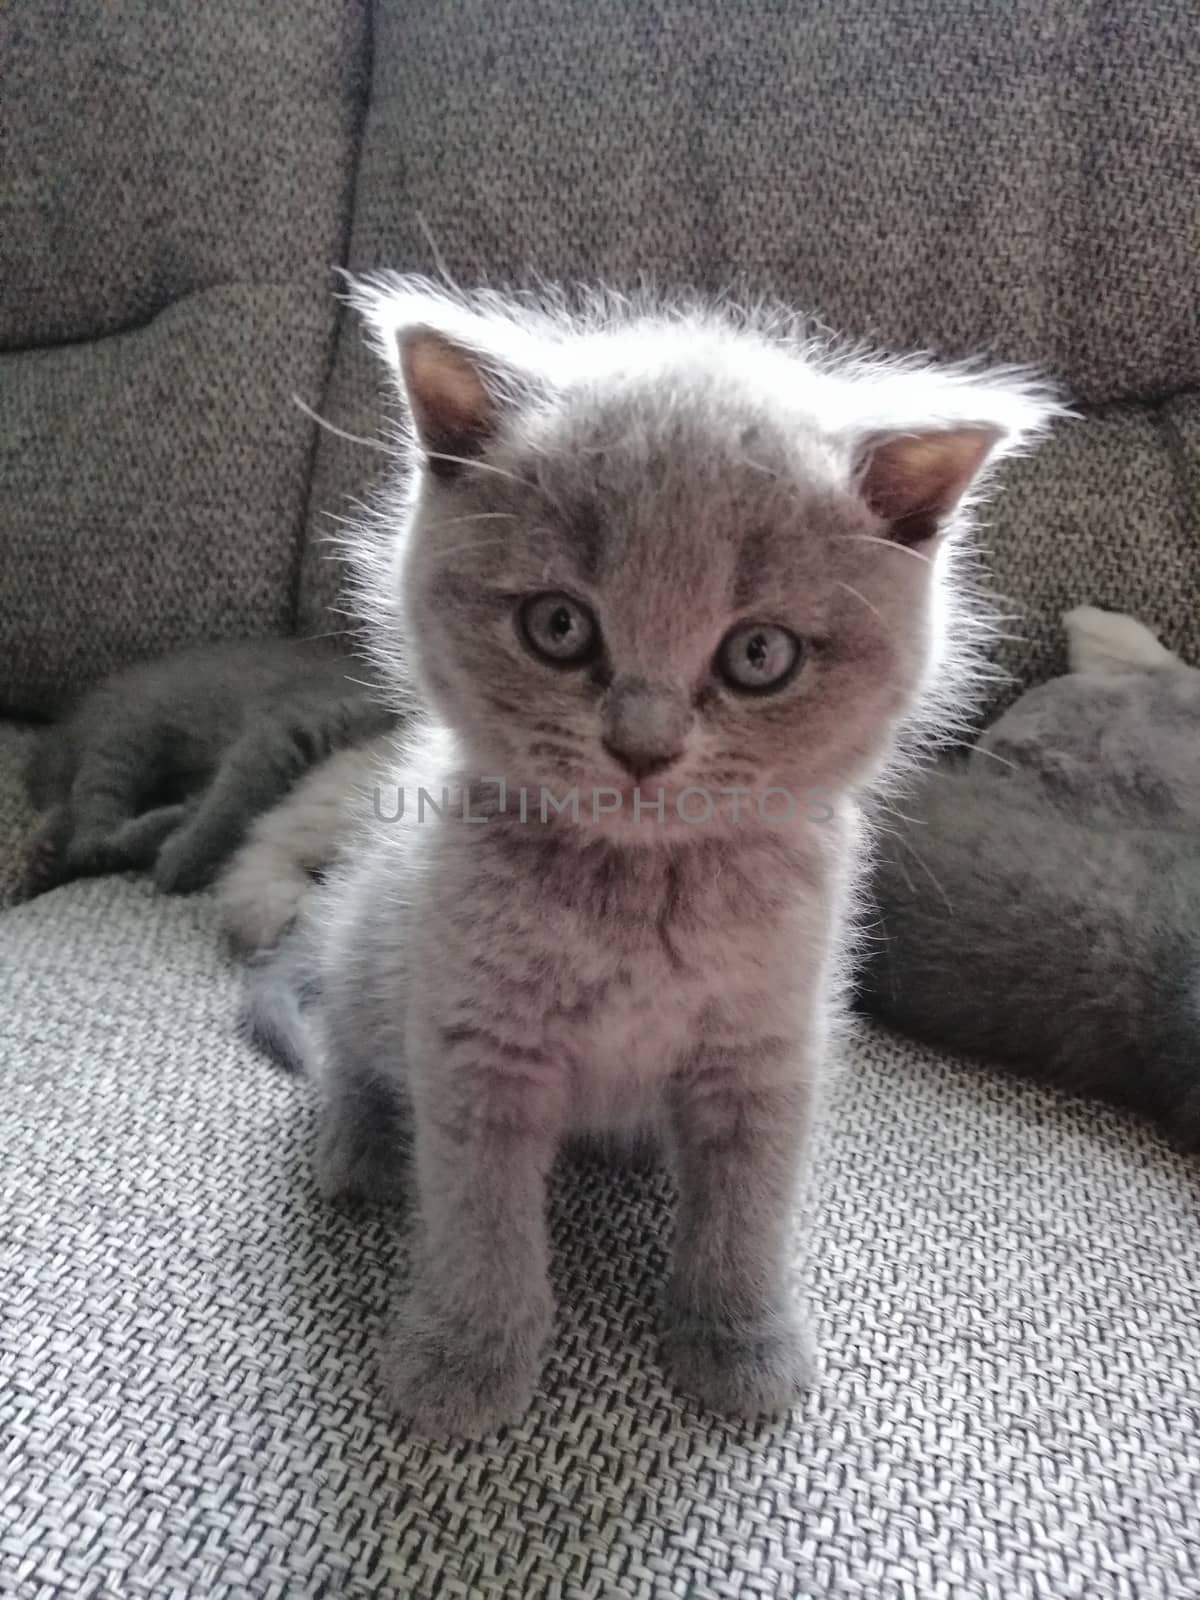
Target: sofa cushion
x: 1006, y: 1285
x: 1020, y: 181
x: 1107, y: 514
x: 1020, y: 178
x: 174, y: 192
x: 16, y: 813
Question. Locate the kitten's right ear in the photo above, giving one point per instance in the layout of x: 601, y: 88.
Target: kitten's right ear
x: 454, y: 398
x: 460, y: 371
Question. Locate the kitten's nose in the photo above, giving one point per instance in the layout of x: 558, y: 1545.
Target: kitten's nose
x: 638, y: 765
x: 645, y: 725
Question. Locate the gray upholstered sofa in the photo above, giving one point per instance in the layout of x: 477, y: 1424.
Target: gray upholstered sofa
x: 1007, y: 1282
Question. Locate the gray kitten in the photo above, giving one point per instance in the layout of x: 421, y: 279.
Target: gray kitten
x: 1041, y: 903
x: 695, y: 573
x: 165, y: 763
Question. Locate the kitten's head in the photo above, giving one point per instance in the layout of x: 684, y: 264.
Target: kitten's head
x: 676, y: 550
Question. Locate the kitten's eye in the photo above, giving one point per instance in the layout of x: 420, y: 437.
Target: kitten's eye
x: 559, y: 629
x: 758, y: 656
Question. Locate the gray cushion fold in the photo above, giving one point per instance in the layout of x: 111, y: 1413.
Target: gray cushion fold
x: 155, y: 150
x: 174, y: 192
x: 159, y: 478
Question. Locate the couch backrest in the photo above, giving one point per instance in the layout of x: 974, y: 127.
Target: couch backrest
x: 174, y: 188
x: 1019, y: 179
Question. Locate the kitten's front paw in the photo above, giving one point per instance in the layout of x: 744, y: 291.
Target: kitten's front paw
x: 88, y: 855
x: 450, y: 1382
x: 43, y: 864
x: 182, y: 868
x: 745, y: 1370
x: 138, y: 842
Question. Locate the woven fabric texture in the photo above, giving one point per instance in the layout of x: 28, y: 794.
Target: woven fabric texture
x: 1020, y: 181
x: 1006, y: 1284
x: 174, y: 191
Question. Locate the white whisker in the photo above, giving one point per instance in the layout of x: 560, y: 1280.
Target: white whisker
x: 929, y: 873
x: 439, y: 261
x: 992, y: 756
x: 340, y: 433
x: 889, y: 544
x: 474, y: 516
x: 482, y: 466
x: 599, y: 449
x: 477, y: 544
x: 757, y: 466
x: 891, y: 809
x: 851, y: 590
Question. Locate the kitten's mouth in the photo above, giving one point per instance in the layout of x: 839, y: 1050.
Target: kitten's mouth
x: 644, y: 802
x: 628, y: 786
x: 649, y: 788
x: 612, y: 799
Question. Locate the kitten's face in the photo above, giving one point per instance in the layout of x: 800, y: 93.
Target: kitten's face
x: 625, y: 593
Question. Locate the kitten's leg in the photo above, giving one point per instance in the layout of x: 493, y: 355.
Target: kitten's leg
x: 740, y: 1118
x: 136, y: 843
x: 111, y: 779
x: 131, y: 846
x: 262, y: 893
x: 43, y: 865
x: 353, y: 957
x: 50, y: 767
x: 365, y: 1142
x: 270, y: 879
x: 257, y: 771
x: 466, y: 1355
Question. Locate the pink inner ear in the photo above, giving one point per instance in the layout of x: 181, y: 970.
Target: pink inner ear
x: 452, y: 407
x: 912, y: 481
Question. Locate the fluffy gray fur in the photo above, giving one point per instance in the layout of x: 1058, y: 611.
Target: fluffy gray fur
x: 489, y: 990
x: 268, y: 883
x: 1041, y: 903
x: 1114, y: 745
x: 266, y: 890
x: 164, y: 764
x: 282, y: 985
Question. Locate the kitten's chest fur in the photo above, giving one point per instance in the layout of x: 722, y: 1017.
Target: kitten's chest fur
x: 616, y: 962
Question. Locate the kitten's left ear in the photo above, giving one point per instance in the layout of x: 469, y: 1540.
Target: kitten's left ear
x: 915, y: 481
